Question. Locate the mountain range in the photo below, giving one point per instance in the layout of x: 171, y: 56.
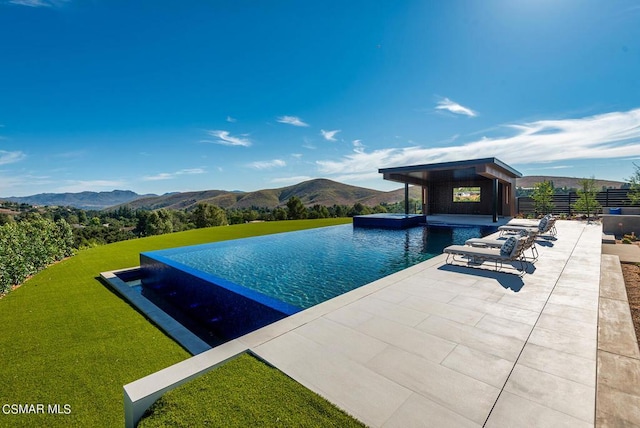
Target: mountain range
x: 84, y: 200
x: 568, y: 182
x: 312, y: 192
x: 318, y: 191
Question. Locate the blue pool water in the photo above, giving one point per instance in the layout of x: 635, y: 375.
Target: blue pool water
x: 304, y: 268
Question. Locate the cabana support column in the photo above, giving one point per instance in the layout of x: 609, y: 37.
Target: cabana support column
x: 425, y: 204
x: 406, y: 198
x: 495, y: 200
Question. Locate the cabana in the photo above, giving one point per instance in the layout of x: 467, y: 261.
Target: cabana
x: 476, y: 187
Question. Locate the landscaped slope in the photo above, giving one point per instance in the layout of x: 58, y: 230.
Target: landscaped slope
x: 67, y: 339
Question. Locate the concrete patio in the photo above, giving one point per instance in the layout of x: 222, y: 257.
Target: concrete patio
x: 445, y: 345
x: 441, y: 345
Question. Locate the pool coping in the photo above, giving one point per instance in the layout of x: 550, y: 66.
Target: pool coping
x: 140, y: 394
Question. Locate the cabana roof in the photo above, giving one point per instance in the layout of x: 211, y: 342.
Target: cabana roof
x: 421, y: 175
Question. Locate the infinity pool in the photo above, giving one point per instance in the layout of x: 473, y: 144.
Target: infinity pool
x: 269, y: 277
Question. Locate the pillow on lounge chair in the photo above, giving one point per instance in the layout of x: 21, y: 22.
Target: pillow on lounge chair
x: 543, y: 224
x: 508, y: 246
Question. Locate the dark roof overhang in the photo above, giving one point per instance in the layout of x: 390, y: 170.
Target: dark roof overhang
x: 420, y: 175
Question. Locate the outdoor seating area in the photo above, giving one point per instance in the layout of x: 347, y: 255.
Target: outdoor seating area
x: 501, y: 250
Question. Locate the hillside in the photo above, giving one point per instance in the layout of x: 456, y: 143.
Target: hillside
x: 569, y: 182
x: 312, y: 192
x: 83, y: 200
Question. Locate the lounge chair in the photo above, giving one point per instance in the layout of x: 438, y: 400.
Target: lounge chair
x: 530, y: 243
x: 546, y: 226
x: 510, y: 251
x: 528, y: 222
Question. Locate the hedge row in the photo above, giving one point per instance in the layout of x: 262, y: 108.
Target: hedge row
x: 29, y: 246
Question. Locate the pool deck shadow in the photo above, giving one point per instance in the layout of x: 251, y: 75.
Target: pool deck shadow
x: 508, y: 280
x: 442, y: 345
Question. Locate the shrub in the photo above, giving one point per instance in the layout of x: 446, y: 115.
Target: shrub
x: 29, y: 246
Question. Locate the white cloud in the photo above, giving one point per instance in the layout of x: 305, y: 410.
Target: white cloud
x: 292, y: 120
x: 453, y: 107
x: 556, y: 167
x: 225, y: 138
x: 231, y: 119
x: 13, y: 182
x: 72, y: 155
x: 308, y: 144
x: 39, y: 3
x: 275, y: 163
x: 172, y: 175
x: 11, y: 157
x: 329, y: 135
x: 358, y: 146
x: 609, y: 135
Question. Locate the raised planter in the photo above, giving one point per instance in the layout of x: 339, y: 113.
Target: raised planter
x: 621, y: 224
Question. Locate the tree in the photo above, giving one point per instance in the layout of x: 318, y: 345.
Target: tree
x: 318, y: 211
x: 5, y: 218
x: 207, y: 215
x: 280, y: 214
x: 359, y: 209
x: 587, y: 202
x: 339, y: 211
x: 634, y: 186
x: 296, y: 209
x: 543, y: 197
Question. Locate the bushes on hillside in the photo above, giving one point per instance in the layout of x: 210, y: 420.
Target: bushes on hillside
x: 29, y: 246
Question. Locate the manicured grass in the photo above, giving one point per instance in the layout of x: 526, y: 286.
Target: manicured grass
x: 66, y: 338
x: 277, y: 400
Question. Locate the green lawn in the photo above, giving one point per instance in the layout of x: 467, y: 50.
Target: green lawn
x: 276, y: 400
x: 68, y: 339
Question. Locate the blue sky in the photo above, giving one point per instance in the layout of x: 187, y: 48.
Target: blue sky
x: 169, y: 96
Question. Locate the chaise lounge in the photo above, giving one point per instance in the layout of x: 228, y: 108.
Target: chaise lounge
x: 510, y: 251
x: 547, y: 225
x: 530, y: 243
x: 528, y: 222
